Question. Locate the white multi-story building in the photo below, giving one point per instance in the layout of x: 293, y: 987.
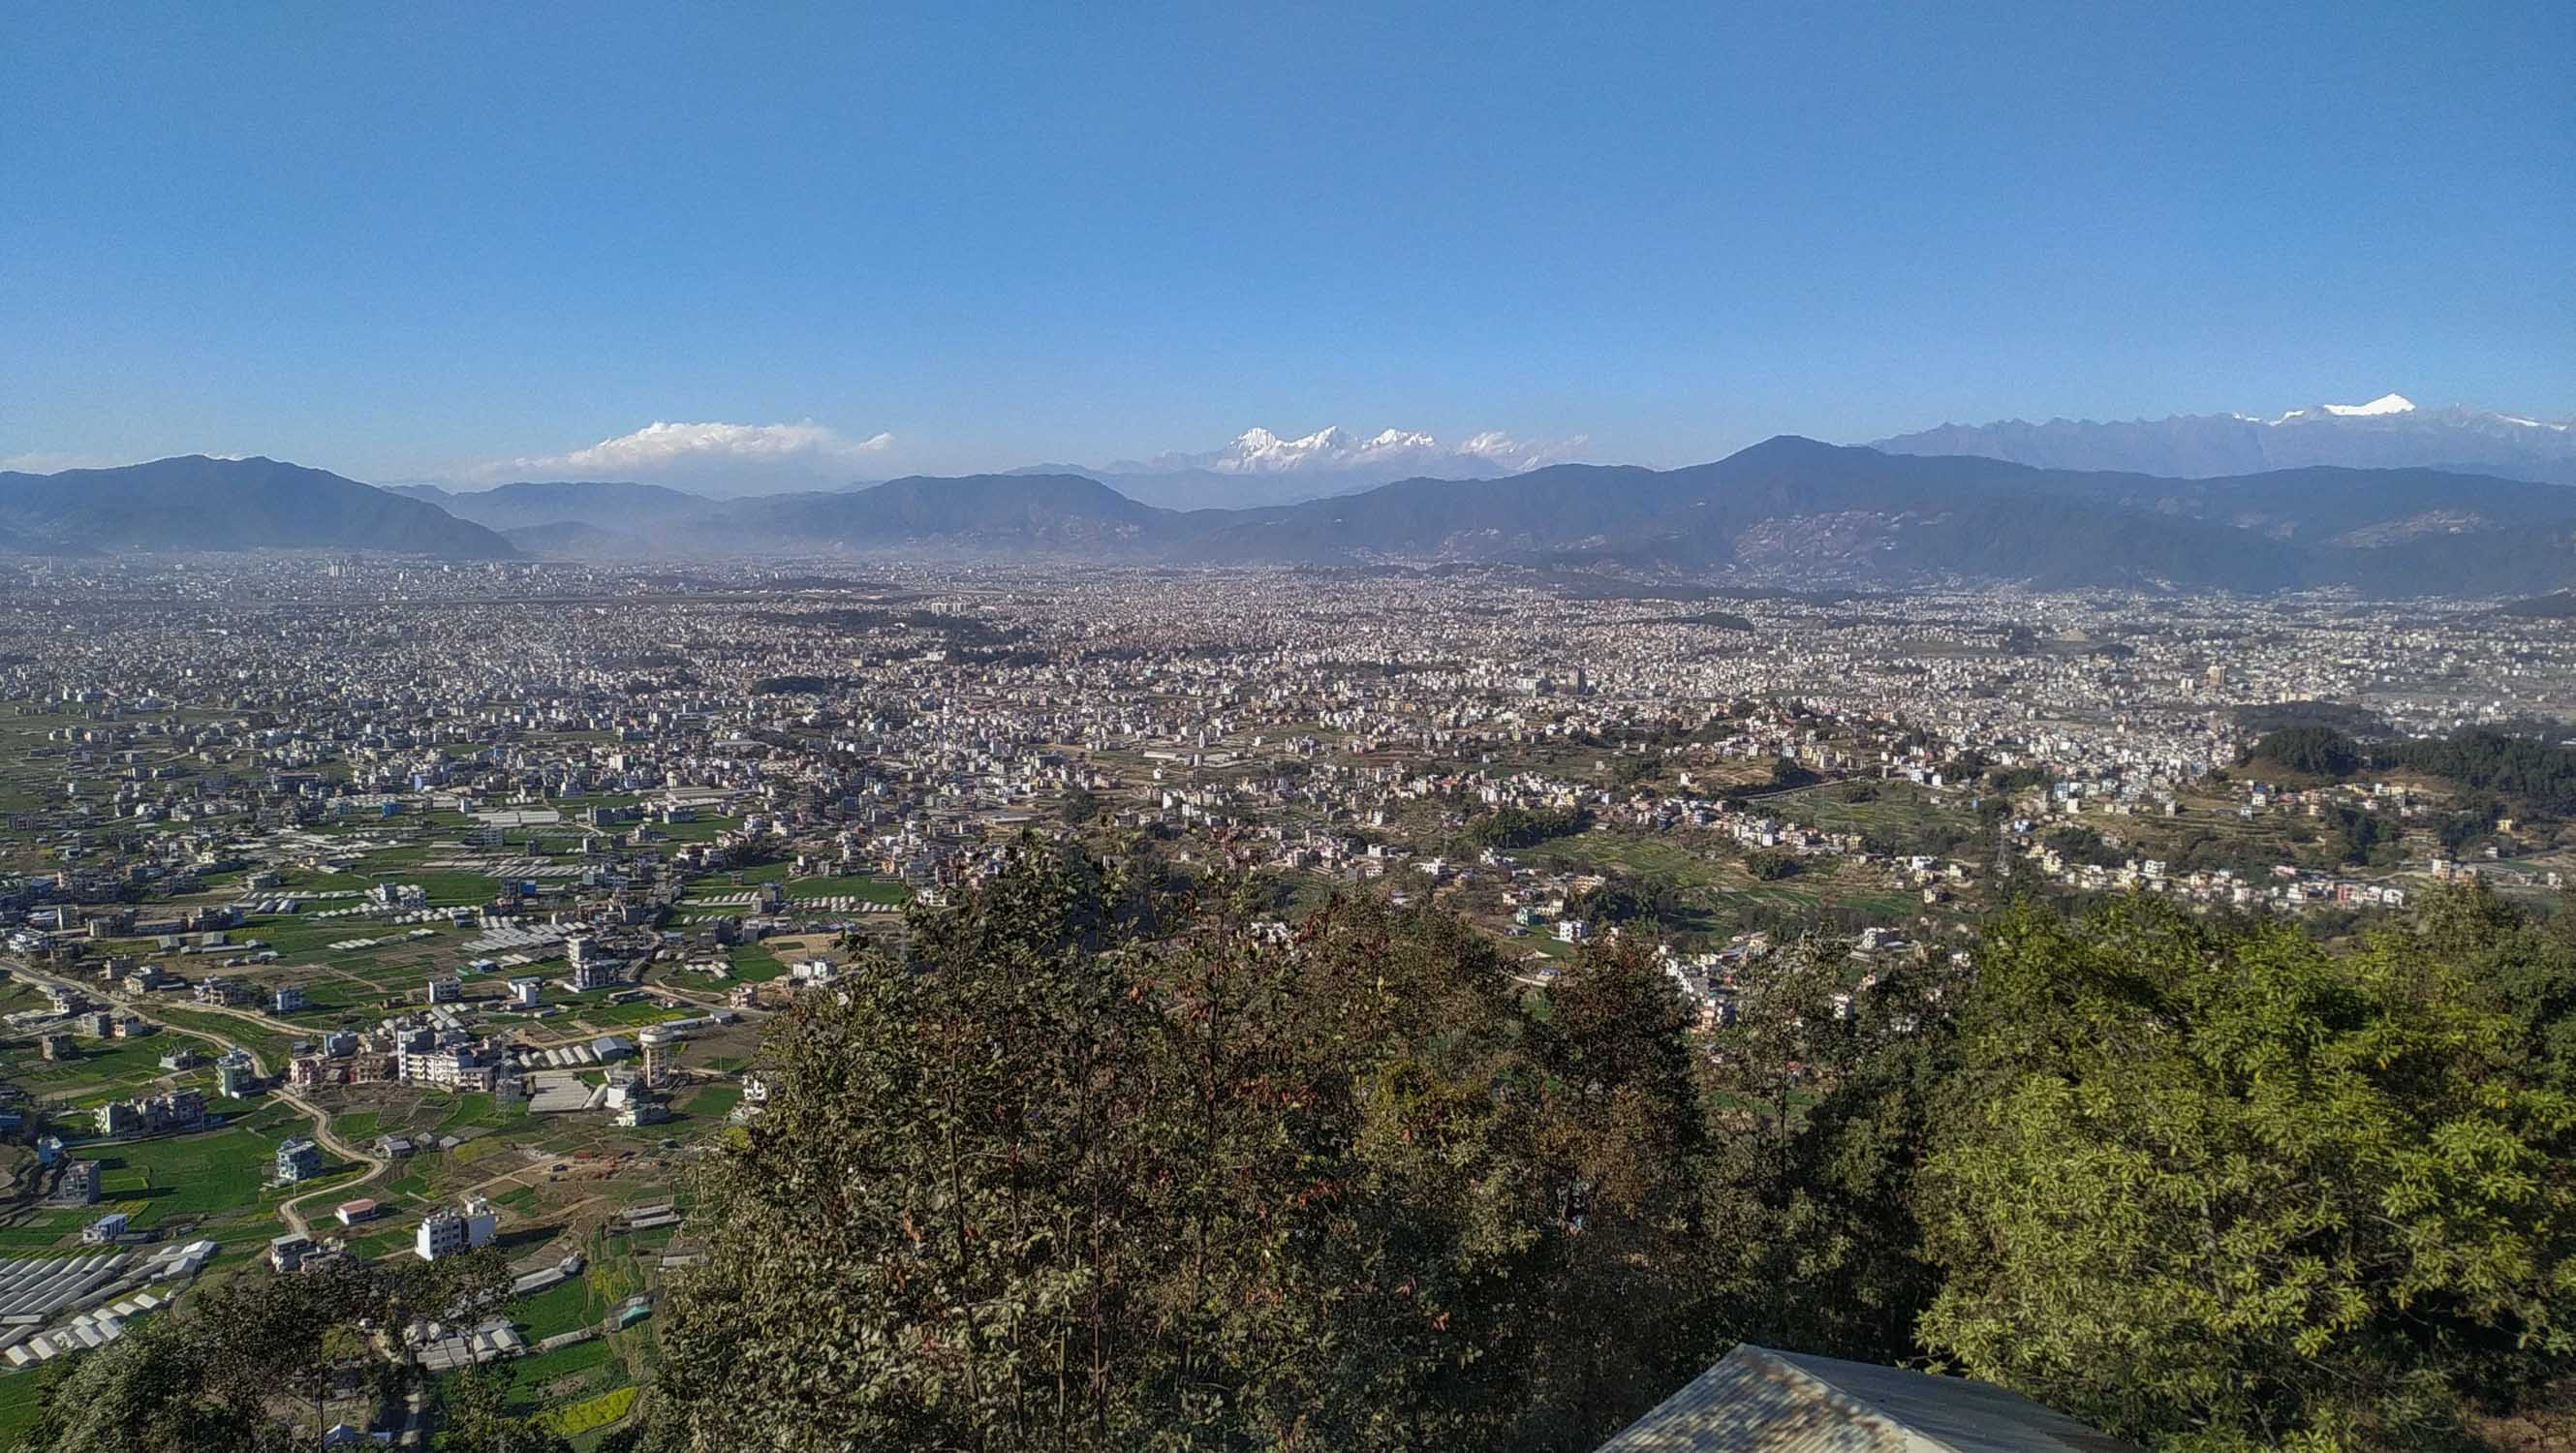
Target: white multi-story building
x: 589, y: 969
x: 445, y: 1233
x: 448, y: 1067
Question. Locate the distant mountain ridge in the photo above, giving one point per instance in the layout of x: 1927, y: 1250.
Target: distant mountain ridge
x: 1258, y: 467
x: 547, y: 502
x: 1787, y: 512
x: 1793, y: 508
x: 1787, y: 509
x: 1013, y: 513
x: 193, y: 502
x: 1051, y: 513
x: 2389, y: 432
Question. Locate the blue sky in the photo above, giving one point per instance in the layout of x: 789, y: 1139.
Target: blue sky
x: 436, y: 241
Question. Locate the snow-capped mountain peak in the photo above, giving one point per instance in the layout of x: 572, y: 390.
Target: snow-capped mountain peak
x: 1259, y: 466
x: 1259, y: 451
x: 2391, y: 431
x: 2390, y: 403
x: 1399, y: 439
x: 1336, y: 450
x: 2379, y: 408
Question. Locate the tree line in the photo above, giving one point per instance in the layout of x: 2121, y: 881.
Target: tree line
x: 1101, y: 1160
x: 1095, y: 1165
x: 2523, y: 768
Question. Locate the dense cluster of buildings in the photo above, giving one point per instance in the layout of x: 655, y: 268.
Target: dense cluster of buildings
x: 642, y: 773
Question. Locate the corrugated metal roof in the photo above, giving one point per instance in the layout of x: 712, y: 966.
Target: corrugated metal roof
x: 1756, y: 1400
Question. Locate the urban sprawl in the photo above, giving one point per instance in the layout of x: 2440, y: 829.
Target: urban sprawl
x: 355, y: 907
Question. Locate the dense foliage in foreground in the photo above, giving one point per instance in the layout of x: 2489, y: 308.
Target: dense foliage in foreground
x: 1094, y: 1168
x: 1087, y: 1175
x: 252, y: 1362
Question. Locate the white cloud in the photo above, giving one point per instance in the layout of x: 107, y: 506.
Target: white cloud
x: 700, y: 451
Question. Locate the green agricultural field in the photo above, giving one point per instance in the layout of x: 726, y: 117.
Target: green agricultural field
x: 1899, y: 812
x: 755, y: 965
x: 386, y: 976
x: 301, y: 880
x: 2208, y: 829
x: 207, y: 1173
x: 478, y: 1110
x: 614, y: 1273
x: 567, y: 1374
x: 42, y: 1231
x: 386, y: 1241
x: 556, y: 1310
x: 621, y: 1016
x: 586, y: 1424
x: 697, y: 830
x: 572, y: 807
x: 294, y: 934
x: 451, y: 889
x: 1604, y: 850
x: 868, y: 888
x: 272, y: 1047
x: 18, y: 1406
x: 712, y: 1103
x: 400, y: 862
x: 107, y: 1069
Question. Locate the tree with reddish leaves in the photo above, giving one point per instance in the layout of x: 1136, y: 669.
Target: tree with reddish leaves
x: 1096, y: 1166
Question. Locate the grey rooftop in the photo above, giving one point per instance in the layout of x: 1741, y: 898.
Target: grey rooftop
x: 1756, y: 1400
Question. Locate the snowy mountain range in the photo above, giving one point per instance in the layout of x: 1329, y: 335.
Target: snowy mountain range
x: 1258, y: 467
x: 2388, y: 432
x: 1339, y: 451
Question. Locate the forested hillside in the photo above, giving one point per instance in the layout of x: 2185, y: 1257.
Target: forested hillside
x: 2535, y: 774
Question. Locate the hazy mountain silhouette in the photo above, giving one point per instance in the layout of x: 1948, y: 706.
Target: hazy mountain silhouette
x: 2389, y: 432
x: 192, y: 502
x: 1789, y: 510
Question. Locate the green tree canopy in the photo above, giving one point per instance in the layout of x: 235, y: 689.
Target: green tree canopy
x: 2222, y: 1189
x: 1091, y: 1168
x: 2318, y: 751
x: 246, y: 1363
x: 1823, y: 1086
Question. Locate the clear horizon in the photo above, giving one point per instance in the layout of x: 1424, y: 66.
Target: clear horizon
x: 479, y: 245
